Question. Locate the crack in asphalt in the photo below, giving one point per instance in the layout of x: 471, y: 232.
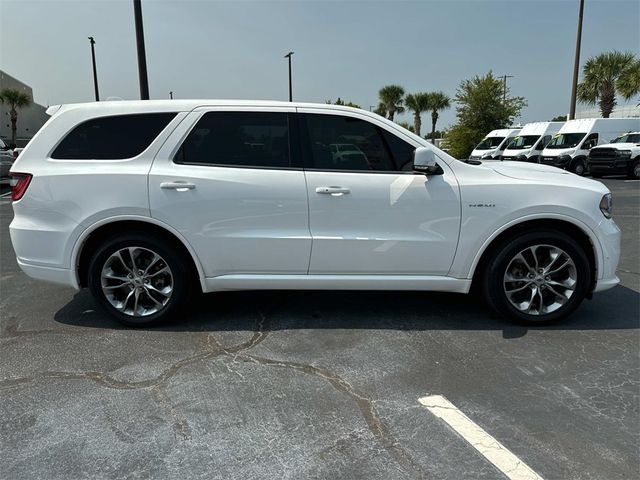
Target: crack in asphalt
x: 237, y: 353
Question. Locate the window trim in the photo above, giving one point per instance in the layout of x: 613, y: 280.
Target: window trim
x: 74, y: 125
x: 291, y: 130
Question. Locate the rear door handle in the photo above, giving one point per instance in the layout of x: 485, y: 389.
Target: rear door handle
x: 179, y: 186
x: 332, y: 190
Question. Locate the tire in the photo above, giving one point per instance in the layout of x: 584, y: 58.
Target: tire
x: 495, y: 281
x: 579, y: 167
x: 160, y: 298
x: 634, y: 172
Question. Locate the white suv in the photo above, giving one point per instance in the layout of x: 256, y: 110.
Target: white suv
x: 146, y: 202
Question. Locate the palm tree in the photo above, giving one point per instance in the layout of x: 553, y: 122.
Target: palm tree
x: 381, y: 110
x: 436, y: 101
x: 607, y: 75
x: 629, y: 82
x: 15, y: 99
x: 418, y: 103
x: 391, y: 98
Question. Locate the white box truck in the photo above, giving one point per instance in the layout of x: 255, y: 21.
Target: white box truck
x: 493, y: 144
x: 529, y: 143
x: 621, y: 156
x: 570, y: 147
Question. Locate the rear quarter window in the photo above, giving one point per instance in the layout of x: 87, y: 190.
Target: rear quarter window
x: 112, y: 138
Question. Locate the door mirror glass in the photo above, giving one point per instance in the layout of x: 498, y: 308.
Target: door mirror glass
x: 424, y: 161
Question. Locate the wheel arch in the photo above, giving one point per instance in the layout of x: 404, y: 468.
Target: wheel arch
x: 92, y: 236
x: 581, y: 233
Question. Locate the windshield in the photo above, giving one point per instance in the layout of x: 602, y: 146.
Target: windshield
x: 489, y: 143
x: 566, y: 140
x: 526, y: 141
x: 627, y: 138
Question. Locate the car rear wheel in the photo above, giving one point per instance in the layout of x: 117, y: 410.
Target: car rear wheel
x: 138, y: 279
x: 539, y: 277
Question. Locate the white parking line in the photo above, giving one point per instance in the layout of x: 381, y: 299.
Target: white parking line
x: 489, y: 447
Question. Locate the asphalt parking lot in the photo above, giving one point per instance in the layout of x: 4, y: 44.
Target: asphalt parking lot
x: 318, y: 384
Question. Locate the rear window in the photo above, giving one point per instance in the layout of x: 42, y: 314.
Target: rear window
x: 112, y: 138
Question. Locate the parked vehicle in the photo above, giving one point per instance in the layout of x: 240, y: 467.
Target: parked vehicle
x: 570, y: 146
x: 621, y: 156
x: 529, y: 143
x: 492, y: 146
x: 229, y: 195
x: 6, y: 159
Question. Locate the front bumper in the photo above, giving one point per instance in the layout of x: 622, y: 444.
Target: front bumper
x: 609, y: 167
x: 609, y: 236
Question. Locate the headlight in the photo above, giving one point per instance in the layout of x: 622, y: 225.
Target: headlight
x: 606, y: 205
x: 625, y: 153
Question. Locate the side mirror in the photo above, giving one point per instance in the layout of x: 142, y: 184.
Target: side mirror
x: 424, y: 161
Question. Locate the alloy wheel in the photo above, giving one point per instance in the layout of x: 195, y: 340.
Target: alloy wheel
x: 540, y: 279
x: 136, y: 281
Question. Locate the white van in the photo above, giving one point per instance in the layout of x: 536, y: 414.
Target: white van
x: 530, y: 142
x: 570, y: 146
x: 493, y: 144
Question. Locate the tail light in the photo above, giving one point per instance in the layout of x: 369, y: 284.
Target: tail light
x: 19, y: 183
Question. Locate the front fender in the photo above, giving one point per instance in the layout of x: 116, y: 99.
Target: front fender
x: 470, y: 252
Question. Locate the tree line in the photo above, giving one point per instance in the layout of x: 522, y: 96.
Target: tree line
x: 484, y: 103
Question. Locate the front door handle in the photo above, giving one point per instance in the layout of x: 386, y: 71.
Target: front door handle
x: 332, y: 190
x: 179, y: 186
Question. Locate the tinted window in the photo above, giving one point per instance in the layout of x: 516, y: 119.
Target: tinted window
x: 249, y: 139
x: 345, y: 143
x: 112, y: 138
x: 401, y: 151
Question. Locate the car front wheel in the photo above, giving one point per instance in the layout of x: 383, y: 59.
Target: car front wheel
x: 139, y: 279
x: 538, y: 277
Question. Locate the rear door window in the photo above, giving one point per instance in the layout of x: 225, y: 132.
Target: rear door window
x: 115, y: 137
x: 238, y: 139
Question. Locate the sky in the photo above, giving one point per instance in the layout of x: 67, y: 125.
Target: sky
x: 346, y: 49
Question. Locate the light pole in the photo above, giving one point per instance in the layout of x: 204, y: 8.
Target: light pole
x: 576, y: 65
x: 288, y: 55
x: 142, y: 58
x: 504, y: 88
x: 171, y: 95
x: 95, y: 73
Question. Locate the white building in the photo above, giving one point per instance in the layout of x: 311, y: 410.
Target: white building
x: 30, y: 118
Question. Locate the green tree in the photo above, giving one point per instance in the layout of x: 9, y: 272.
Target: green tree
x: 629, y: 82
x: 381, y: 110
x: 392, y: 97
x: 606, y: 76
x: 559, y: 118
x: 436, y: 101
x: 15, y: 99
x: 480, y: 109
x: 418, y: 103
x: 339, y: 101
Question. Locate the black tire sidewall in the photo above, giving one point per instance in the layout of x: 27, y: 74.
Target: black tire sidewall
x: 494, y: 275
x: 177, y: 264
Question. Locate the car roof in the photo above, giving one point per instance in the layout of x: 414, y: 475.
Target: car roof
x: 129, y: 106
